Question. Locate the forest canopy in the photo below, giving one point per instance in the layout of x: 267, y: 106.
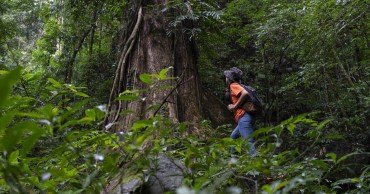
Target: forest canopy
x: 106, y: 96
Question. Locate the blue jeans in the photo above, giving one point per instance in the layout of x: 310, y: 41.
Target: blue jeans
x: 245, y: 129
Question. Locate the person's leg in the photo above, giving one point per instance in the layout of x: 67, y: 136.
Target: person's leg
x: 235, y: 134
x: 245, y: 126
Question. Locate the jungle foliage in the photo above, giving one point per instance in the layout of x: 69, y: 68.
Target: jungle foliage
x: 309, y: 61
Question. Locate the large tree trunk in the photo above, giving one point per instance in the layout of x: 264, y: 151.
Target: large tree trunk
x: 147, y: 48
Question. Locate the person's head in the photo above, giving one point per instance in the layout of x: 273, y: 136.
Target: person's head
x: 233, y: 75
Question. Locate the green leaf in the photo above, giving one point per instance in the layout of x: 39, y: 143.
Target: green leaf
x: 99, y: 114
x: 14, y: 134
x: 30, y: 76
x: 141, y: 124
x: 128, y: 95
x: 238, y: 148
x: 34, y: 180
x: 6, y: 83
x: 146, y: 78
x: 346, y: 181
x: 90, y: 113
x: 3, y: 72
x: 71, y: 87
x: 78, y: 106
x: 30, y: 140
x: 13, y: 158
x: 321, y: 164
x: 55, y: 83
x: 324, y: 123
x: 291, y: 128
x: 141, y: 139
x: 82, y: 94
x: 163, y: 73
x: 333, y: 136
x: 89, y: 178
x: 6, y: 119
x: 72, y: 191
x: 346, y: 156
x: 332, y: 156
x: 313, y: 133
x: 85, y: 120
x: 30, y: 115
x: 264, y: 130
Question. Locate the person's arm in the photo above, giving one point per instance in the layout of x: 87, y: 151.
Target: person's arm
x: 243, y: 97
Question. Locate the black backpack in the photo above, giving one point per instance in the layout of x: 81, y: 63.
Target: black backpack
x: 256, y: 100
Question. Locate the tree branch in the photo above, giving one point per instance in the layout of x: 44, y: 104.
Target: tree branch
x: 169, y: 94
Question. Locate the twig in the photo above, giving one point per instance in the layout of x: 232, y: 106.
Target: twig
x: 311, y: 146
x: 173, y: 89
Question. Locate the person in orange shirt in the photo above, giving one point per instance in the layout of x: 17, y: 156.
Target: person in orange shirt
x: 239, y: 96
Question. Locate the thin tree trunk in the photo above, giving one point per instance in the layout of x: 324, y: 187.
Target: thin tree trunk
x: 92, y: 34
x: 71, y: 61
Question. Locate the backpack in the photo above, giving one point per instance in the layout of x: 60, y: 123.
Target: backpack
x: 256, y: 100
x: 255, y: 105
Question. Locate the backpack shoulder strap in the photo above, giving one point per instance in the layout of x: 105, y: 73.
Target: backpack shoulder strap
x: 250, y: 91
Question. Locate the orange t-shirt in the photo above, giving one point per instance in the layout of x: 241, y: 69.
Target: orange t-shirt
x: 235, y: 91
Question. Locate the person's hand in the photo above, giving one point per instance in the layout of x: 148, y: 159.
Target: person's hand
x: 231, y: 107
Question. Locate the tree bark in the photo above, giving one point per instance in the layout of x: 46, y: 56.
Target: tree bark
x: 147, y: 48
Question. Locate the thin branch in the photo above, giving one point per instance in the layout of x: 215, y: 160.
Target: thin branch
x: 304, y: 152
x: 169, y: 94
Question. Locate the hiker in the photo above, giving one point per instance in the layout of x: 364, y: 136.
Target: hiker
x: 239, y: 96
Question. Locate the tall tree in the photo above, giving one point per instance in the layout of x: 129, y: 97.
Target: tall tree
x: 147, y: 47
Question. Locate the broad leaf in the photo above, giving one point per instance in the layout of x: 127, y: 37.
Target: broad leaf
x: 55, y: 83
x: 141, y: 124
x: 146, y: 78
x: 6, y: 83
x: 128, y: 95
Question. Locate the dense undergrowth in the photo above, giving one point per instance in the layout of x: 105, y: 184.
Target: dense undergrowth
x: 302, y: 56
x: 54, y: 143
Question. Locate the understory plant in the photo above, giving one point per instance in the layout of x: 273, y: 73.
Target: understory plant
x: 54, y: 144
